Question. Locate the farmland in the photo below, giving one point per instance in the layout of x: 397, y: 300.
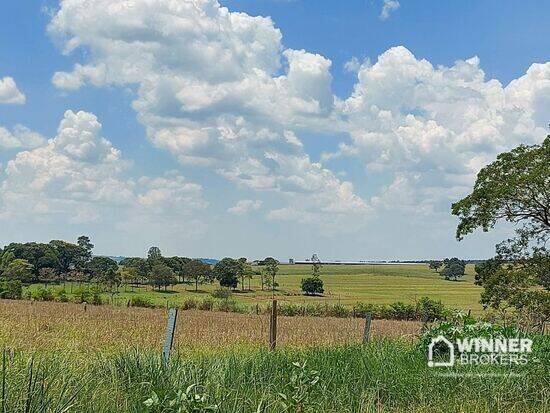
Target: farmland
x: 107, y: 359
x: 344, y: 284
x: 106, y: 329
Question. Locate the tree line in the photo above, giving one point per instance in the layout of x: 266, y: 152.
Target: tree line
x: 60, y: 262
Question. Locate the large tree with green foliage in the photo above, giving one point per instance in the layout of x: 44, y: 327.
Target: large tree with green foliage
x: 161, y: 275
x: 514, y: 188
x: 70, y: 256
x: 177, y: 264
x: 19, y: 269
x: 197, y: 271
x: 37, y: 254
x: 227, y: 272
x: 453, y: 268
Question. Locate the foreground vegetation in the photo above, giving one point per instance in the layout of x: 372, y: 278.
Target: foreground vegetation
x: 67, y: 328
x: 383, y: 376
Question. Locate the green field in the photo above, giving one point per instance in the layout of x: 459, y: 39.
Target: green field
x: 345, y: 284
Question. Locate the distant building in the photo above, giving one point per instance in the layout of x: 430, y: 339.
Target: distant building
x: 291, y: 260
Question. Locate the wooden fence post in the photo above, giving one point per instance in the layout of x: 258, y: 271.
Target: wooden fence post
x: 366, y: 332
x: 273, y: 326
x: 170, y: 329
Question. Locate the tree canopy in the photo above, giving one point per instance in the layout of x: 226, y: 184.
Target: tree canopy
x: 227, y: 272
x: 516, y: 188
x: 197, y: 271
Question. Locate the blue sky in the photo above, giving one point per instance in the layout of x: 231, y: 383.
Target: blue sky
x: 327, y: 127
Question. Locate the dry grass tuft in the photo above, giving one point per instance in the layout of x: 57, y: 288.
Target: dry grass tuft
x: 67, y: 327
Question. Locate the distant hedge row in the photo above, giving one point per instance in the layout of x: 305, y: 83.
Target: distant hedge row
x: 425, y: 309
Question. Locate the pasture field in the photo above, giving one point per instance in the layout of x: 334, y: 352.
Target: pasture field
x: 57, y: 358
x: 66, y: 327
x: 344, y: 284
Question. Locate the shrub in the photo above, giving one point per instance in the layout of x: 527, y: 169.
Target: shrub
x: 12, y: 289
x: 206, y: 304
x: 96, y: 297
x: 141, y: 302
x: 61, y: 296
x: 362, y: 309
x: 314, y: 310
x: 43, y: 294
x: 290, y: 310
x: 82, y: 295
x: 402, y: 311
x: 221, y: 293
x: 429, y: 310
x: 338, y: 310
x: 229, y: 306
x: 189, y: 304
x: 312, y: 286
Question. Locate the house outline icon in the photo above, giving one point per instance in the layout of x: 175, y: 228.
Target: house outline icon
x: 441, y: 339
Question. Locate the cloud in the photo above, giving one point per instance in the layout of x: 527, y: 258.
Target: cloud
x: 20, y: 137
x: 244, y: 206
x: 433, y: 128
x: 388, y: 8
x: 218, y: 90
x: 240, y: 116
x: 79, y: 176
x: 9, y: 93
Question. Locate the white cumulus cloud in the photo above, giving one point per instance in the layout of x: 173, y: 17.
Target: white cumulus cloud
x: 244, y: 206
x: 20, y: 137
x: 9, y: 93
x: 217, y: 89
x: 80, y: 176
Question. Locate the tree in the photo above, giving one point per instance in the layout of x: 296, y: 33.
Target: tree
x: 453, y: 268
x: 37, y: 254
x: 315, y: 265
x: 128, y: 276
x: 198, y: 271
x: 177, y: 264
x: 7, y: 258
x: 19, y: 269
x: 514, y: 188
x: 105, y: 271
x: 70, y: 256
x: 227, y: 272
x: 435, y: 265
x: 154, y: 255
x: 244, y: 270
x: 271, y: 269
x: 140, y: 265
x: 84, y: 242
x: 161, y: 275
x: 86, y: 252
x: 312, y: 286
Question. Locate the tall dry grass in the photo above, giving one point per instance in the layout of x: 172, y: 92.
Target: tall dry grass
x: 46, y: 326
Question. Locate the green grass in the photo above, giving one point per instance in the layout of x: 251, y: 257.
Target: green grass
x: 345, y: 284
x: 385, y: 376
